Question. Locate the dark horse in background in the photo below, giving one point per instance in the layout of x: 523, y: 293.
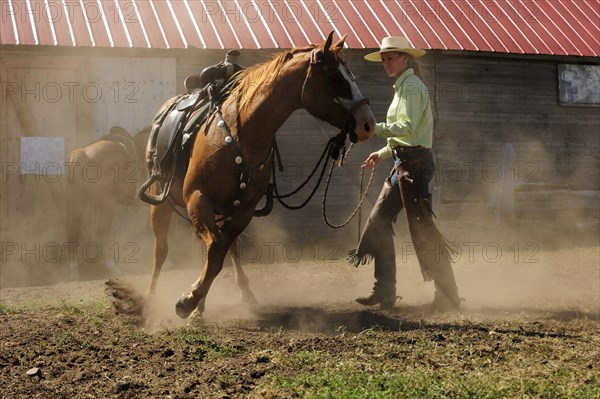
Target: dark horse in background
x: 103, y: 175
x: 228, y: 168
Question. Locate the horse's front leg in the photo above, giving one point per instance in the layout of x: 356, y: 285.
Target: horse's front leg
x: 200, y: 209
x: 104, y: 263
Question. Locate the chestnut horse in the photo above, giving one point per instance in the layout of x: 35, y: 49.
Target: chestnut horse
x: 104, y: 174
x: 228, y: 171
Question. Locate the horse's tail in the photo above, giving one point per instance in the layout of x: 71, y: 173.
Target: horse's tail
x: 75, y: 194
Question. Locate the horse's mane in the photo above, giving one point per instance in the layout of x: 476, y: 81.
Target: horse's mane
x: 248, y: 82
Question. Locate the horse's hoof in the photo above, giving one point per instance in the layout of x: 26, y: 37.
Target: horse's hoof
x: 185, y: 306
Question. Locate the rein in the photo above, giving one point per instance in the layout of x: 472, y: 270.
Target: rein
x: 332, y: 150
x: 326, y: 151
x: 363, y: 195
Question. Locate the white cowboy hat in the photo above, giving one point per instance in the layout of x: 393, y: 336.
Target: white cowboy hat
x: 394, y: 43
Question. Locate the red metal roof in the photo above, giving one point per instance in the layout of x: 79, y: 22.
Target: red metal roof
x: 562, y: 27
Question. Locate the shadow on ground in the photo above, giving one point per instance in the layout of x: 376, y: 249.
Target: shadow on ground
x: 406, y: 318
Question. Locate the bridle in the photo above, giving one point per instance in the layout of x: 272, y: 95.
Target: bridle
x: 332, y: 148
x: 349, y: 125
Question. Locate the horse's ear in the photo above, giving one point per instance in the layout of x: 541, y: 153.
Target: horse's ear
x: 328, y: 42
x: 340, y: 44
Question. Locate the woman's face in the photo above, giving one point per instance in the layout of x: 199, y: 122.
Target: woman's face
x: 394, y: 63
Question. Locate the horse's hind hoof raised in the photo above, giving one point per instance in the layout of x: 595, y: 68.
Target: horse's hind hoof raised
x: 185, y: 305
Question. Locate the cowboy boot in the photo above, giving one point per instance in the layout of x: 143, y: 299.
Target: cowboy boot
x: 384, y: 301
x: 383, y: 293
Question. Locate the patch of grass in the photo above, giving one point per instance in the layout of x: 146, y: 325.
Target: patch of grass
x: 420, y: 383
x: 61, y: 340
x: 82, y: 308
x: 5, y: 309
x: 66, y: 341
x: 87, y: 344
x: 74, y: 309
x: 201, y: 346
x: 226, y: 381
x: 138, y: 335
x: 451, y: 363
x: 200, y: 353
x: 306, y: 358
x: 96, y: 322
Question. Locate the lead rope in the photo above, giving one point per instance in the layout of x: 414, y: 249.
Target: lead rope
x: 363, y: 195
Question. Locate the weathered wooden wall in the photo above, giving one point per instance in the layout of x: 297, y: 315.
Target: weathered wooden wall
x: 75, y: 96
x: 36, y: 102
x: 483, y: 102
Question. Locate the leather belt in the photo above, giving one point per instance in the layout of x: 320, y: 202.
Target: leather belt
x: 405, y: 152
x: 405, y: 149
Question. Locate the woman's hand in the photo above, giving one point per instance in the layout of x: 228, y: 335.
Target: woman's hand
x: 372, y: 160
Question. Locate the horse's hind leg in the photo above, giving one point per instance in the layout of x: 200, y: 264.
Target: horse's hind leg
x: 160, y: 218
x: 240, y: 277
x: 106, y: 214
x: 74, y: 220
x: 76, y: 204
x: 127, y: 299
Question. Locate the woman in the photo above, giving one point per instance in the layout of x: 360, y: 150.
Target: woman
x: 408, y: 130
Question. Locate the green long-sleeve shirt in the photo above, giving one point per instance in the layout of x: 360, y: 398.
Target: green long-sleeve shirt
x: 409, y: 120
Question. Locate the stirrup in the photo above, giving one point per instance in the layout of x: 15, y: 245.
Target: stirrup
x: 160, y: 177
x: 151, y: 198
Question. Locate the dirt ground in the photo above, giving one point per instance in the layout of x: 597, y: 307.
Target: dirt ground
x: 533, y: 317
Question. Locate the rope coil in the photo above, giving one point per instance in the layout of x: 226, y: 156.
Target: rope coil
x: 363, y: 195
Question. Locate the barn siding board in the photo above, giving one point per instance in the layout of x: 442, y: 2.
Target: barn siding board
x: 36, y: 109
x: 133, y: 88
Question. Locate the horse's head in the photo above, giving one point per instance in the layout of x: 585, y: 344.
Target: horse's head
x: 330, y: 92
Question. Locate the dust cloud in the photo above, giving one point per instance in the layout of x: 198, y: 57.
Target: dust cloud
x: 529, y: 260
